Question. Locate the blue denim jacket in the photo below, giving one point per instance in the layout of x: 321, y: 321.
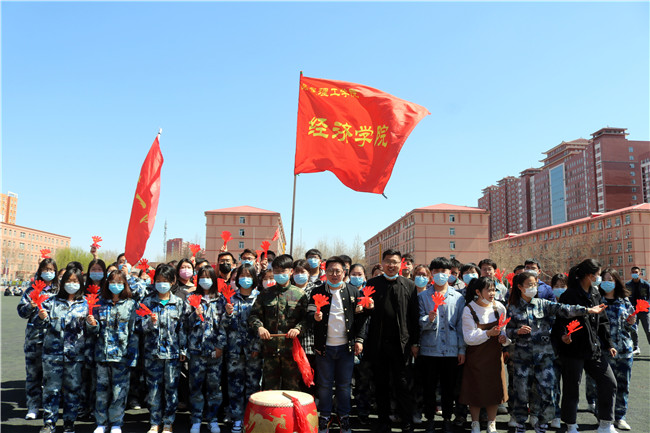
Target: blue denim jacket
x: 203, y: 337
x: 443, y: 336
x: 241, y: 338
x: 618, y: 310
x: 115, y: 337
x: 166, y: 339
x: 65, y: 329
x: 34, y: 332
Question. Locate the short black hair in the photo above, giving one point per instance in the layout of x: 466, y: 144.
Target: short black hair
x: 200, y: 263
x: 391, y: 252
x: 165, y: 271
x: 488, y: 262
x: 558, y: 278
x: 284, y: 261
x: 440, y: 263
x: 301, y: 265
x: 408, y: 257
x: 335, y: 259
x: 532, y: 262
x: 346, y: 259
x: 74, y: 265
x: 251, y: 270
x: 635, y: 267
x: 227, y: 253
x: 314, y: 252
x: 248, y: 251
x: 119, y: 257
x: 470, y: 266
x: 518, y: 268
x: 455, y: 263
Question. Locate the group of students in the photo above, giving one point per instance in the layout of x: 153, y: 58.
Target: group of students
x: 401, y: 339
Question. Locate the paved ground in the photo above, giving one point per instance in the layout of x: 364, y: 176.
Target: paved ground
x: 13, y: 410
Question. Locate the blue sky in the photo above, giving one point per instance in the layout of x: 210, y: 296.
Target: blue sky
x: 85, y: 87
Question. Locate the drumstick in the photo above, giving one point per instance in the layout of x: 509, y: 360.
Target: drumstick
x: 278, y: 335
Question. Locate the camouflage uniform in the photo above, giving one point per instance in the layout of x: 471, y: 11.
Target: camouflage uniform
x: 164, y: 343
x: 618, y: 310
x: 533, y: 354
x: 279, y: 309
x: 203, y: 338
x: 116, y: 350
x: 33, y: 349
x: 244, y: 371
x: 63, y: 357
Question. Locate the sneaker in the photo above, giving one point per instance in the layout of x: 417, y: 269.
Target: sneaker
x: 439, y: 410
x: 556, y: 423
x: 502, y: 409
x: 214, y: 427
x: 520, y: 428
x: 572, y: 428
x: 637, y: 351
x: 532, y: 420
x: 476, y: 427
x: 134, y: 404
x: 47, y: 428
x: 167, y: 428
x: 153, y: 429
x: 196, y: 428
x: 236, y: 427
x: 31, y: 414
x: 345, y: 424
x: 116, y: 429
x: 623, y: 425
x: 460, y: 421
x: 491, y: 427
x: 100, y: 429
x: 591, y: 407
x: 512, y: 422
x: 606, y: 427
x: 541, y: 428
x: 68, y: 427
x: 323, y: 424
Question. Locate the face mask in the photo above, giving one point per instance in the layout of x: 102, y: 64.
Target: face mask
x: 635, y: 276
x: 115, y: 287
x: 47, y: 276
x: 485, y: 300
x: 186, y: 273
x: 607, y: 286
x: 531, y: 291
x: 596, y: 283
x: 245, y: 282
x: 394, y: 277
x: 128, y: 267
x: 452, y: 279
x: 532, y: 271
x: 281, y: 279
x: 205, y: 283
x: 313, y: 262
x: 268, y: 283
x: 469, y: 277
x: 225, y: 267
x: 440, y: 279
x: 334, y: 286
x: 313, y: 278
x: 247, y: 262
x: 71, y: 287
x: 163, y: 287
x: 421, y: 281
x: 356, y: 280
x: 96, y: 276
x: 300, y: 278
x: 558, y: 291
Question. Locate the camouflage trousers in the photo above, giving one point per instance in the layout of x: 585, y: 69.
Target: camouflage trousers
x: 112, y: 390
x: 205, y: 374
x: 622, y: 369
x: 280, y: 372
x: 244, y: 376
x: 162, y: 381
x: 533, y: 373
x: 34, y: 379
x: 61, y: 382
x: 88, y: 387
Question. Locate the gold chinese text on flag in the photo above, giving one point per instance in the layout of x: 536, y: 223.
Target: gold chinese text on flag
x: 354, y: 131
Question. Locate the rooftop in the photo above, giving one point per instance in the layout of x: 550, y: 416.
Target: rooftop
x: 243, y: 210
x: 451, y: 207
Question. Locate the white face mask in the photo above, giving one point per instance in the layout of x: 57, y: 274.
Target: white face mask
x: 531, y: 291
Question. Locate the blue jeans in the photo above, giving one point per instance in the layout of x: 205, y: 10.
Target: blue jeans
x: 335, y: 366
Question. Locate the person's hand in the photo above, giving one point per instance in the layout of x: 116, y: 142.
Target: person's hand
x: 613, y: 352
x: 525, y: 329
x: 432, y: 315
x: 193, y: 260
x: 566, y: 339
x: 293, y: 333
x: 597, y: 309
x: 371, y: 304
x: 33, y: 304
x: 493, y: 332
x: 461, y: 359
x: 154, y: 318
x: 93, y: 251
x: 229, y: 309
x: 199, y: 310
x: 182, y: 358
x: 91, y: 320
x: 415, y: 350
x: 217, y: 353
x: 42, y: 314
x: 358, y: 348
x: 223, y: 248
x: 254, y: 354
x: 502, y: 339
x: 631, y: 319
x: 318, y: 316
x: 264, y: 333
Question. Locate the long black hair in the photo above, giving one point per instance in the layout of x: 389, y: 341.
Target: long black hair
x: 89, y: 281
x: 207, y: 272
x: 518, y: 280
x: 580, y: 271
x: 66, y: 276
x: 480, y: 284
x: 620, y: 291
x: 41, y: 266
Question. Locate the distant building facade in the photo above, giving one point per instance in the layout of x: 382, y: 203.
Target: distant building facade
x: 579, y: 177
x: 249, y: 227
x: 9, y: 207
x: 433, y: 231
x: 175, y: 248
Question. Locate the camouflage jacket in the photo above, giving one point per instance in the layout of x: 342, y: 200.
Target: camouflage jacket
x: 114, y: 335
x: 65, y: 330
x: 618, y: 310
x: 241, y: 338
x: 166, y: 339
x: 279, y: 309
x: 34, y: 332
x: 139, y: 288
x: 204, y: 336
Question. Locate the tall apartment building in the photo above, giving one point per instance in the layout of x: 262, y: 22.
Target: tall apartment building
x: 175, y: 249
x: 249, y: 226
x: 9, y: 206
x: 433, y: 231
x: 578, y: 177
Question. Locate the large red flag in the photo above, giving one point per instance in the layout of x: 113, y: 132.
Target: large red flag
x: 145, y: 204
x: 354, y: 131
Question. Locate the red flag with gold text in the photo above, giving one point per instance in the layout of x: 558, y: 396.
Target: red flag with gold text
x: 145, y: 204
x: 352, y: 130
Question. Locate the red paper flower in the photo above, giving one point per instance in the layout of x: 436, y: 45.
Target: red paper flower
x: 366, y: 298
x: 226, y: 236
x: 96, y: 241
x: 45, y: 253
x: 93, y: 300
x: 265, y: 246
x: 94, y: 289
x: 143, y: 310
x: 320, y: 301
x: 228, y: 293
x: 300, y: 357
x: 510, y: 277
x: 438, y: 300
x: 143, y: 264
x: 195, y: 301
x: 642, y: 306
x: 503, y: 321
x: 573, y: 327
x: 402, y: 266
x: 195, y: 248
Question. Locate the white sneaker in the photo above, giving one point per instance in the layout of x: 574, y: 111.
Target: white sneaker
x: 532, y: 420
x: 556, y: 423
x: 491, y: 427
x: 476, y: 427
x: 236, y: 427
x: 623, y: 425
x: 572, y: 428
x: 214, y: 427
x: 116, y: 429
x: 196, y: 428
x: 100, y: 429
x: 606, y: 427
x: 512, y: 422
x: 30, y: 415
x: 637, y: 351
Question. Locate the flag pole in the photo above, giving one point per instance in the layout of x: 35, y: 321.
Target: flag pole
x: 293, y: 205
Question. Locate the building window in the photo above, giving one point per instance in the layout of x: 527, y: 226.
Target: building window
x: 241, y: 232
x: 620, y: 260
x: 452, y: 245
x: 22, y: 235
x: 631, y: 165
x: 452, y: 218
x: 630, y: 259
x: 633, y: 197
x: 630, y: 149
x: 631, y: 157
x: 241, y: 244
x: 628, y: 219
x: 632, y: 174
x: 629, y: 246
x: 22, y: 245
x: 608, y: 223
x: 633, y: 181
x: 452, y: 231
x: 242, y: 220
x: 617, y: 221
x: 452, y: 256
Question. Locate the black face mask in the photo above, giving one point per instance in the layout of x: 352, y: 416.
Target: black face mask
x: 225, y: 267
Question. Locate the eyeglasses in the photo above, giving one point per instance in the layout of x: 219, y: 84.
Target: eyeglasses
x: 334, y: 272
x: 392, y: 263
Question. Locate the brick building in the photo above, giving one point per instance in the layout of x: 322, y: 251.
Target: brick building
x: 9, y: 206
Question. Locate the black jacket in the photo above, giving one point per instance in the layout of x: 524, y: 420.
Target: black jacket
x: 353, y: 322
x: 406, y: 311
x: 586, y: 342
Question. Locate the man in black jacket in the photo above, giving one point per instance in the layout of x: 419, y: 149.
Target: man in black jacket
x: 391, y: 336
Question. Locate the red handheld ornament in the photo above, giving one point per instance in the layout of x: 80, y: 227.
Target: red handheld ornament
x: 226, y: 236
x: 96, y: 241
x: 642, y: 306
x: 143, y: 264
x: 36, y: 295
x: 39, y: 285
x: 93, y: 300
x: 503, y: 321
x: 195, y: 248
x: 265, y: 246
x: 322, y: 266
x: 45, y: 253
x: 143, y: 310
x: 438, y: 300
x: 402, y: 266
x: 94, y: 289
x: 228, y: 293
x: 366, y: 298
x: 221, y: 285
x: 259, y: 255
x: 573, y: 327
x: 195, y: 301
x: 303, y: 363
x: 499, y: 275
x: 151, y: 274
x: 510, y: 277
x: 320, y: 301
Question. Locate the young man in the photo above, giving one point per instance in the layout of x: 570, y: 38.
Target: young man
x: 409, y: 260
x: 225, y: 265
x: 314, y: 257
x: 544, y: 291
x: 488, y: 267
x: 639, y: 289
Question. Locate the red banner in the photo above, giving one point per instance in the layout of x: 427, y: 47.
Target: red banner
x: 354, y: 131
x: 145, y: 204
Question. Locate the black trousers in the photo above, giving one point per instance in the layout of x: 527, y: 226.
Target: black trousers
x: 443, y: 370
x: 601, y: 372
x: 389, y: 367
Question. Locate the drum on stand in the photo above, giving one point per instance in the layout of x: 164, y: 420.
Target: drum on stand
x: 273, y: 412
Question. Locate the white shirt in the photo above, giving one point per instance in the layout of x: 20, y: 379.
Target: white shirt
x: 336, y: 333
x: 472, y: 334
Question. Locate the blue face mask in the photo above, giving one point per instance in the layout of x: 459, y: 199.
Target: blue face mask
x: 607, y: 286
x: 116, y: 288
x: 596, y: 283
x: 334, y: 286
x: 96, y: 276
x: 440, y: 279
x: 469, y: 277
x: 300, y: 278
x: 394, y: 277
x: 313, y: 262
x: 558, y: 291
x: 634, y: 276
x: 421, y: 281
x: 452, y: 279
x: 205, y: 283
x: 47, y: 276
x: 128, y: 267
x: 356, y: 281
x: 281, y: 279
x: 245, y: 282
x: 71, y: 287
x: 163, y: 287
x: 247, y: 262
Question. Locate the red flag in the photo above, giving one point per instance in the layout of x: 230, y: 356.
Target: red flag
x: 276, y: 235
x: 145, y: 204
x: 352, y: 130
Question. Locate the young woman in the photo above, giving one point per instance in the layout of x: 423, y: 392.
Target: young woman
x: 164, y: 348
x: 63, y: 317
x: 184, y: 276
x: 116, y: 348
x: 531, y: 320
x: 27, y: 309
x: 582, y: 349
x: 422, y: 277
x: 484, y: 379
x: 358, y: 275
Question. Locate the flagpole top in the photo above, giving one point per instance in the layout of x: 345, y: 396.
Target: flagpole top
x: 159, y: 131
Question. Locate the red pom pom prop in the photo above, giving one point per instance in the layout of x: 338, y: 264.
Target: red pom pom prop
x: 195, y: 301
x: 143, y: 310
x: 226, y: 236
x: 320, y: 301
x: 303, y: 363
x: 195, y: 248
x: 438, y: 300
x: 642, y: 306
x: 573, y: 327
x: 366, y: 298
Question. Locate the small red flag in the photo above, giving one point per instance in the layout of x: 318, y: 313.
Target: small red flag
x: 352, y: 130
x: 276, y: 235
x: 145, y: 204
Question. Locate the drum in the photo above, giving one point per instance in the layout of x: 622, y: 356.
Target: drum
x: 273, y: 412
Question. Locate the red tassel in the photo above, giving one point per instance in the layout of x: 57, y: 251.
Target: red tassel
x: 303, y: 363
x: 301, y: 425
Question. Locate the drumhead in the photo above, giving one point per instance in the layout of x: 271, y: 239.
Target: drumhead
x: 276, y: 399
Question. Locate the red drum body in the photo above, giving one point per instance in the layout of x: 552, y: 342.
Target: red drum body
x: 272, y: 412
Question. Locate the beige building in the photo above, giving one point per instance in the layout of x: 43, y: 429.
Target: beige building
x: 440, y: 230
x: 21, y: 248
x: 249, y: 226
x: 618, y: 239
x: 9, y: 205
